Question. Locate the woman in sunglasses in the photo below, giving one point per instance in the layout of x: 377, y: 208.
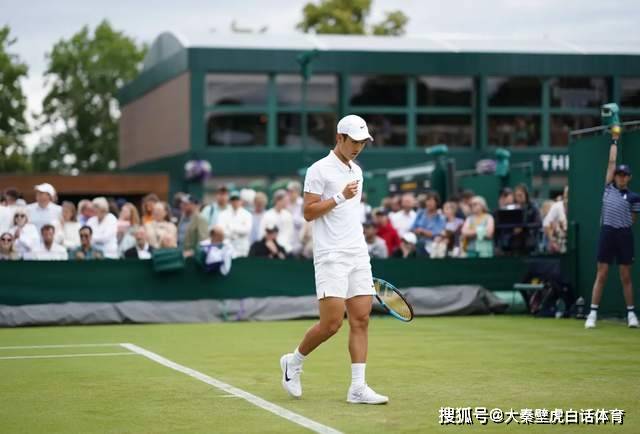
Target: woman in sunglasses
x: 25, y: 234
x: 7, y: 249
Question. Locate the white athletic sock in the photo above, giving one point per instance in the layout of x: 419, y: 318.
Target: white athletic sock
x: 594, y: 309
x: 630, y: 308
x: 357, y: 374
x: 297, y: 358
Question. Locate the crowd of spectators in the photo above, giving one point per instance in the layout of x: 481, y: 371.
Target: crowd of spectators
x: 241, y: 223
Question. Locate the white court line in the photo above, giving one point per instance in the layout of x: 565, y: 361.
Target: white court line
x: 25, y: 347
x: 253, y: 399
x: 59, y: 356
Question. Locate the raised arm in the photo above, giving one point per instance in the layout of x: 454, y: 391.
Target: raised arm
x: 314, y: 206
x: 613, y: 155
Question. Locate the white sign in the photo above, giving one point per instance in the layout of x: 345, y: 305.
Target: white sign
x: 554, y: 162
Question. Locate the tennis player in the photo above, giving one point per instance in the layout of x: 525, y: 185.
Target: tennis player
x: 332, y: 192
x: 619, y: 208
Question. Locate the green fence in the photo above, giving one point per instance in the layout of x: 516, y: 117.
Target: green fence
x: 111, y: 281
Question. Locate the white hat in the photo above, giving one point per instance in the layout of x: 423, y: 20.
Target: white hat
x: 355, y: 127
x: 46, y: 188
x: 410, y: 238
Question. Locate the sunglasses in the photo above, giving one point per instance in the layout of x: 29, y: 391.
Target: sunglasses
x: 19, y: 215
x: 84, y: 235
x: 7, y: 239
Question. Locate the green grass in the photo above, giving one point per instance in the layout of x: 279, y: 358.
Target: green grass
x: 491, y: 361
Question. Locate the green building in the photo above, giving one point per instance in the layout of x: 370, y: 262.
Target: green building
x: 237, y: 101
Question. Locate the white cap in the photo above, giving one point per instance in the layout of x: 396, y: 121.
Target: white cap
x: 46, y: 188
x: 410, y: 238
x: 355, y: 127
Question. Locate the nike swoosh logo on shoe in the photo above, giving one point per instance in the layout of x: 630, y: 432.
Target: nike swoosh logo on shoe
x: 286, y: 377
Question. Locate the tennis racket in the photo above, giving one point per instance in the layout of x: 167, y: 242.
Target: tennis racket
x: 392, y: 301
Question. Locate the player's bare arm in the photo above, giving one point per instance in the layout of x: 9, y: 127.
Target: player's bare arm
x: 613, y: 155
x: 314, y: 206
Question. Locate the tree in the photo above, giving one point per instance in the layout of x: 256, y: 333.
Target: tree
x: 13, y: 104
x: 348, y: 17
x: 84, y: 74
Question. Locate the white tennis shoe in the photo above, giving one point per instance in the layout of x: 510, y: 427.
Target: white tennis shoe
x: 632, y: 320
x: 365, y: 395
x: 291, y: 376
x: 590, y: 323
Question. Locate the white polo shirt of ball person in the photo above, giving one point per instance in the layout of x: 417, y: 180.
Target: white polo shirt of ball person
x: 339, y: 230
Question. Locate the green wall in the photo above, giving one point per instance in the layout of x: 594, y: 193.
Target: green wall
x: 112, y: 281
x: 589, y: 158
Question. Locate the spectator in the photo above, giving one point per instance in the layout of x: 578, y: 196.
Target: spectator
x: 85, y: 211
x: 104, y: 227
x: 8, y: 251
x: 429, y: 223
x: 407, y: 248
x: 403, y: 219
x: 25, y: 234
x: 365, y: 208
x: 48, y: 250
x: 268, y: 246
x: 69, y: 235
x: 148, y: 203
x: 464, y: 204
x: 6, y: 217
x: 236, y: 223
x: 216, y: 254
x: 555, y: 225
x: 376, y: 245
x: 448, y: 243
x: 395, y: 204
x: 503, y: 234
x: 259, y: 209
x: 142, y: 250
x: 524, y: 239
x: 306, y: 238
x: 192, y: 227
x: 213, y: 210
x: 44, y: 210
x: 176, y: 207
x: 11, y: 197
x: 279, y: 216
x: 478, y: 230
x: 161, y: 233
x: 86, y: 251
x: 385, y: 229
x: 248, y: 196
x: 128, y: 219
x: 294, y: 200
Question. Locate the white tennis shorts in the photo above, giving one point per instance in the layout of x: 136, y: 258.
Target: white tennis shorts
x: 343, y: 275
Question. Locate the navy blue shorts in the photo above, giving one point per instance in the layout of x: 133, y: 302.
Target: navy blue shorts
x: 616, y: 244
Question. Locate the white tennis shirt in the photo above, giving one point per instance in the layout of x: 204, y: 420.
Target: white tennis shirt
x: 340, y: 229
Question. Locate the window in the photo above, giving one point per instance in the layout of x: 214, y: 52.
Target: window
x: 451, y: 130
x: 579, y: 92
x: 514, y: 91
x: 514, y: 130
x: 445, y: 91
x: 236, y: 89
x: 386, y: 129
x: 630, y: 88
x: 378, y: 90
x: 562, y: 125
x: 321, y: 129
x: 226, y: 129
x: 322, y: 90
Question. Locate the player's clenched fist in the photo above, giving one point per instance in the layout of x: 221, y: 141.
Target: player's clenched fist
x: 350, y: 190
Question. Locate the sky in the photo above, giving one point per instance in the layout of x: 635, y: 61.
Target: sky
x: 39, y: 24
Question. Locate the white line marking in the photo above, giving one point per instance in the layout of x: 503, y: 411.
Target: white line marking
x: 25, y: 347
x: 253, y: 399
x: 59, y: 356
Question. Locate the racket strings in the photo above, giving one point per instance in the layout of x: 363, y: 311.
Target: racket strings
x: 393, y: 301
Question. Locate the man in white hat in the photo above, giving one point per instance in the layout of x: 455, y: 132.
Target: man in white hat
x: 44, y: 211
x: 332, y: 192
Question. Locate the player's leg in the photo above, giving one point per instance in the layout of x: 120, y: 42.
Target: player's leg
x: 331, y: 317
x: 596, y: 295
x: 627, y: 287
x: 359, y: 301
x: 607, y: 251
